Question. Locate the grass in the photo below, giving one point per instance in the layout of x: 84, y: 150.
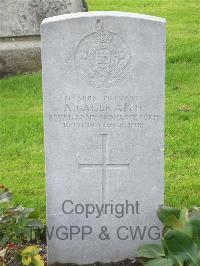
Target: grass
x: 22, y: 164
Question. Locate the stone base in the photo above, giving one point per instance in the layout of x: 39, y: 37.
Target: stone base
x: 20, y: 55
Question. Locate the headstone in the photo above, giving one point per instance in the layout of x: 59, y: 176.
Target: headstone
x: 103, y: 81
x: 20, y: 30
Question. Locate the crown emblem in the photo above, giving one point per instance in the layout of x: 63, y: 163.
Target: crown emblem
x: 102, y: 57
x: 101, y: 34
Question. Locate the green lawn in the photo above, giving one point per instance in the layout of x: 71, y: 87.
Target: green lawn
x: 22, y: 161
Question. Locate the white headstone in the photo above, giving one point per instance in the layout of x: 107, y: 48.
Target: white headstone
x: 103, y: 81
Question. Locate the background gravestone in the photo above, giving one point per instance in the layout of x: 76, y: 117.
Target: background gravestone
x: 103, y: 82
x: 20, y: 31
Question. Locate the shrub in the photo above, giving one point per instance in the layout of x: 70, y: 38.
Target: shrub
x: 180, y: 244
x: 15, y: 226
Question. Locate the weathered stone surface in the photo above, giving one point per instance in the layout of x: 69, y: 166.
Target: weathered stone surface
x: 23, y: 17
x: 20, y: 21
x: 19, y: 55
x: 103, y: 81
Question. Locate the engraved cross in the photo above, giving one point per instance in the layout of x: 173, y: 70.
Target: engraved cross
x: 104, y: 165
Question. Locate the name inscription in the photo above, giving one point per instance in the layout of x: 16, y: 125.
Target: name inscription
x: 103, y: 112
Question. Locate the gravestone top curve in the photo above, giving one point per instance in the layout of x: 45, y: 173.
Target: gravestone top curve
x: 104, y: 13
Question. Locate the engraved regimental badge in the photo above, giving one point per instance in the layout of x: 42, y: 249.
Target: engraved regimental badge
x: 102, y: 58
